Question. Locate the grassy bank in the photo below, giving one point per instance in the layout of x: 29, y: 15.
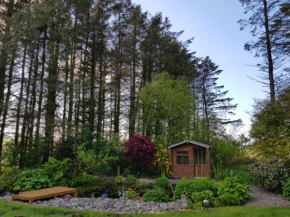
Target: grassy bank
x: 11, y: 209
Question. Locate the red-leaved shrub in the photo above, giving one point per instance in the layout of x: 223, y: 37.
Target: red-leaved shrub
x: 140, y: 150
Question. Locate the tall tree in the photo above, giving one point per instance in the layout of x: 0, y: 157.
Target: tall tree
x: 265, y: 22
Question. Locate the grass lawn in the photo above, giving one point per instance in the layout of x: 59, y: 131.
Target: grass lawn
x: 12, y: 209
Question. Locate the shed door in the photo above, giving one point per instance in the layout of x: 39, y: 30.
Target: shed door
x: 199, y: 162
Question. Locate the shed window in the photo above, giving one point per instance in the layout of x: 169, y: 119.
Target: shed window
x: 182, y: 157
x: 199, y: 156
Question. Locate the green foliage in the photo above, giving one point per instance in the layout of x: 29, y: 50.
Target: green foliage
x: 8, y: 176
x: 157, y: 195
x: 119, y: 180
x: 56, y: 169
x: 202, y: 195
x: 167, y: 106
x: 130, y: 180
x: 216, y: 203
x: 84, y: 180
x: 131, y: 194
x: 271, y: 128
x: 232, y: 191
x: 286, y: 188
x: 162, y: 182
x: 197, y: 206
x: 33, y: 179
x: 188, y: 186
x: 271, y: 173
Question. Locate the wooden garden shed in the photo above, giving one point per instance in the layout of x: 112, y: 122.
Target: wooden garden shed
x: 189, y: 159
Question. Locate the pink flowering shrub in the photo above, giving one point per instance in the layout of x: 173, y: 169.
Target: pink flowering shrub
x: 140, y: 150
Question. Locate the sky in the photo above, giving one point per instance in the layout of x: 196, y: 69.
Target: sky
x: 213, y: 24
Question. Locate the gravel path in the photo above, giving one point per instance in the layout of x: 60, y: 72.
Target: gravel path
x: 264, y: 198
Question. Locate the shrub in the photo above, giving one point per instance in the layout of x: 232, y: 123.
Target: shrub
x: 84, y: 180
x: 232, y: 191
x: 131, y: 194
x: 56, y: 169
x: 144, y: 183
x: 33, y: 179
x: 140, y: 150
x: 130, y: 180
x: 286, y: 189
x: 161, y: 160
x: 162, y: 182
x: 188, y: 186
x: 119, y: 180
x: 156, y: 195
x: 7, y: 178
x: 202, y: 195
x: 271, y: 173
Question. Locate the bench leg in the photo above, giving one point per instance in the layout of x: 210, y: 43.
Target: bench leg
x: 30, y: 201
x: 12, y: 198
x: 75, y: 194
x: 54, y: 197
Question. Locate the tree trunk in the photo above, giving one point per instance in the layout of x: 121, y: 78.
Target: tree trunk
x: 269, y: 54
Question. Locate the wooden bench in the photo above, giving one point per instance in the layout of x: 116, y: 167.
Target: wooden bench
x: 44, y: 193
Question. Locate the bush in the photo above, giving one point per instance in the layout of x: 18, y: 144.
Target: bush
x: 118, y: 180
x: 130, y: 180
x: 7, y: 178
x: 162, y: 182
x: 286, y: 189
x: 271, y: 173
x: 161, y: 160
x: 140, y: 150
x: 156, y: 195
x: 188, y: 186
x: 33, y: 179
x: 84, y: 180
x: 131, y: 194
x: 232, y: 191
x: 202, y: 195
x: 56, y: 169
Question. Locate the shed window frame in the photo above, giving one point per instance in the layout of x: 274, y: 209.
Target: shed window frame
x: 182, y: 157
x: 200, y: 156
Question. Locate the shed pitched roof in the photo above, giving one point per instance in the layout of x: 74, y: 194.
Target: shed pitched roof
x: 190, y: 142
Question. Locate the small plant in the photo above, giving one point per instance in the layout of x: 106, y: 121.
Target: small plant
x: 201, y: 196
x: 232, y: 191
x: 138, y: 198
x: 216, y: 203
x: 16, y: 188
x: 33, y: 179
x: 188, y: 186
x: 130, y: 194
x: 119, y: 180
x: 286, y: 189
x: 156, y: 195
x: 67, y: 196
x: 144, y: 183
x: 130, y: 180
x: 197, y: 206
x: 84, y: 180
x: 162, y: 182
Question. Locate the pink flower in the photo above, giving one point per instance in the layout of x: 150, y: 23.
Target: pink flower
x: 66, y: 196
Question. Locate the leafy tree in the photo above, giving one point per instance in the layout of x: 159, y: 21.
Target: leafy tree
x: 271, y: 126
x: 166, y: 108
x: 140, y: 150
